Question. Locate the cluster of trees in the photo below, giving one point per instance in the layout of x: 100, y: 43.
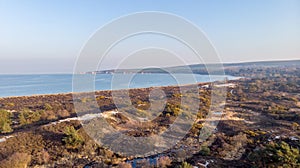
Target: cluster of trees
x: 260, y: 72
x: 27, y: 116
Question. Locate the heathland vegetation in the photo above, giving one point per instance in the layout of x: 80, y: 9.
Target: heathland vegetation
x: 259, y: 127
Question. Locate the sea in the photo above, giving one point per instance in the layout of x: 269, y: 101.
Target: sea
x: 36, y: 84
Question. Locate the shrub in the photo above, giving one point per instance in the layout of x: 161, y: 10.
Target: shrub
x: 164, y: 161
x: 47, y: 106
x: 124, y: 165
x: 295, y: 126
x: 173, y: 109
x: 48, y: 115
x: 43, y: 157
x: 177, y: 95
x: 185, y: 165
x: 5, y: 121
x: 10, y: 105
x: 276, y: 155
x: 6, y: 128
x: 16, y: 160
x: 251, y: 133
x: 195, y: 130
x: 168, y: 115
x: 27, y: 116
x: 205, y: 151
x: 63, y: 113
x: 72, y: 138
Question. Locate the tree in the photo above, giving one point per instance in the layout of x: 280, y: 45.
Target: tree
x: 72, y: 138
x: 5, y: 121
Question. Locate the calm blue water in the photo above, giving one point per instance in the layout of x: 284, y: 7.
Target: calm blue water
x: 21, y: 85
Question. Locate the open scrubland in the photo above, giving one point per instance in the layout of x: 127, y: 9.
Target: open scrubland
x: 259, y: 126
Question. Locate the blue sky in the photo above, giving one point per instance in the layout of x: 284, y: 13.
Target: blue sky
x: 46, y: 36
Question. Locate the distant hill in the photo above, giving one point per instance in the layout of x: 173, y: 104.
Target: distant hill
x: 201, y: 68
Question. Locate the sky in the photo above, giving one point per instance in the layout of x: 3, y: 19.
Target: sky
x: 47, y: 36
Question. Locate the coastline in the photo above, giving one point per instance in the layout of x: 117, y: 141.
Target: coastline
x: 99, y: 91
x: 37, y: 85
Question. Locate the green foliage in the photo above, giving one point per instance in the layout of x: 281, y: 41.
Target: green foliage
x: 205, y: 151
x: 100, y: 97
x: 6, y: 128
x: 47, y: 106
x: 27, y: 116
x: 5, y: 121
x: 10, y: 105
x: 278, y: 109
x: 251, y: 133
x: 185, y: 165
x: 173, y: 109
x: 276, y: 155
x: 195, y: 130
x: 295, y: 126
x: 177, y: 95
x: 72, y: 138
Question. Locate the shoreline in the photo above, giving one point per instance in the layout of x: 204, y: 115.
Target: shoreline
x: 66, y: 87
x: 98, y: 91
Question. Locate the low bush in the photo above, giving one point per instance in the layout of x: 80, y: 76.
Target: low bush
x: 185, y: 165
x: 173, y: 109
x: 205, y: 151
x: 164, y: 162
x: 276, y: 155
x: 72, y: 138
x: 10, y: 105
x: 63, y: 113
x: 43, y: 157
x: 5, y: 121
x: 295, y: 126
x: 48, y: 115
x: 47, y: 106
x: 27, y: 116
x: 124, y: 165
x: 16, y: 160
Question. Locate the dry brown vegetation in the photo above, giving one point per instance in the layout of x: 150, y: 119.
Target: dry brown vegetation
x: 261, y: 118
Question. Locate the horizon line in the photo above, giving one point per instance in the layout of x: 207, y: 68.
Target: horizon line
x: 238, y: 62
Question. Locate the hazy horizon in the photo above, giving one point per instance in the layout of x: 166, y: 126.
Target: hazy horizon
x: 71, y: 72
